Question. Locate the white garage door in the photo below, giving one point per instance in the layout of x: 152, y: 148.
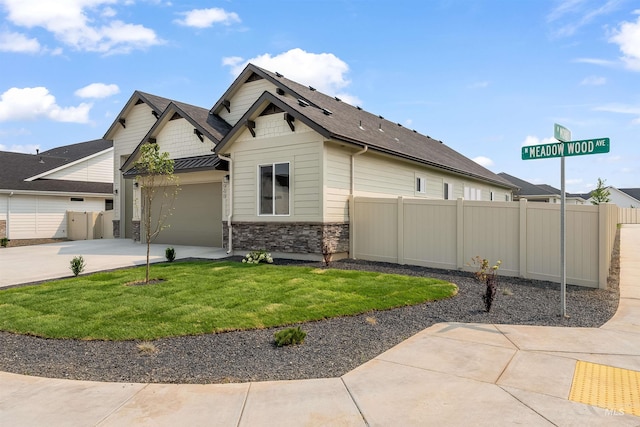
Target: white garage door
x: 196, y: 219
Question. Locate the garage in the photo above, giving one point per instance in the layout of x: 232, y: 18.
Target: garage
x: 196, y: 219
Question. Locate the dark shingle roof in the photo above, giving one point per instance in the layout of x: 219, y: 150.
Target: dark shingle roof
x: 16, y: 167
x: 190, y: 164
x: 338, y: 120
x: 633, y: 192
x: 528, y: 189
x: 157, y: 104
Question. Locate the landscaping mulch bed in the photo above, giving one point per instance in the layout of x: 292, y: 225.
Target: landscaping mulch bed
x: 332, y: 347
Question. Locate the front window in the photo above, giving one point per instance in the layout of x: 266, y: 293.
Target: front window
x: 274, y: 189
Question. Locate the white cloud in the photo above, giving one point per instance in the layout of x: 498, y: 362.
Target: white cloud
x: 36, y: 102
x: 82, y: 24
x: 596, y: 61
x: 593, y: 81
x: 483, y: 161
x: 97, y: 90
x: 16, y: 42
x: 534, y: 140
x: 622, y: 109
x: 575, y: 14
x: 479, y: 85
x: 324, y: 71
x: 18, y: 148
x: 205, y: 18
x: 627, y: 37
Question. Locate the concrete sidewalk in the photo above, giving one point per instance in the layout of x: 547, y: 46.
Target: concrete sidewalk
x: 26, y: 264
x: 449, y: 374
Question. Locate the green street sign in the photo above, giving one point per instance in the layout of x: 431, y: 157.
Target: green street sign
x: 566, y: 149
x: 561, y: 133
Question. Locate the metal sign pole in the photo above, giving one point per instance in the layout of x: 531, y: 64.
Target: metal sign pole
x: 563, y: 240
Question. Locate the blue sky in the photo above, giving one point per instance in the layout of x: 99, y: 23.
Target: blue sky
x: 485, y: 77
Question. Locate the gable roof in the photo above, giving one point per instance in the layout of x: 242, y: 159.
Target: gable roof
x: 633, y: 192
x: 157, y: 104
x: 18, y: 167
x: 211, y: 125
x: 341, y: 121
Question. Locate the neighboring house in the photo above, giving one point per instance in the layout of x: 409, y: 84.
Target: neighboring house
x: 37, y: 190
x: 623, y: 197
x: 540, y: 193
x: 276, y: 162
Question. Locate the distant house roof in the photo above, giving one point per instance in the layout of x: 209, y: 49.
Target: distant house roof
x: 633, y: 192
x: 527, y: 189
x: 341, y: 121
x: 17, y: 168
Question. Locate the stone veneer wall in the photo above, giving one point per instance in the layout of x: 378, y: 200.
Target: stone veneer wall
x: 296, y: 237
x: 3, y: 229
x: 116, y: 228
x: 135, y: 230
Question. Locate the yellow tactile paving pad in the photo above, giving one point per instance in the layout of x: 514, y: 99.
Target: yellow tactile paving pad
x: 615, y: 389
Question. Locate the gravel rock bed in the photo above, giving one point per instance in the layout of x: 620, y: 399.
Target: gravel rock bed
x: 332, y: 348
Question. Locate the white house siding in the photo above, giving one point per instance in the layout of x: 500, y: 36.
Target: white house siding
x: 337, y: 182
x: 138, y: 122
x: 276, y: 143
x: 177, y: 138
x: 622, y: 199
x: 244, y: 98
x: 32, y: 217
x: 3, y: 206
x: 97, y: 169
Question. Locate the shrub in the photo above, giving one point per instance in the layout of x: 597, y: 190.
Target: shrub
x: 77, y: 265
x: 290, y: 336
x: 489, y: 276
x: 170, y: 254
x: 4, y: 242
x: 256, y: 257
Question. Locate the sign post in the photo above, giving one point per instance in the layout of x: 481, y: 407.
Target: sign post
x: 564, y: 148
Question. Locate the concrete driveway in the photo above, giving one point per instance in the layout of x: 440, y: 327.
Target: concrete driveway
x: 27, y: 264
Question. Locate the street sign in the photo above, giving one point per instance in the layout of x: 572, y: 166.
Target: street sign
x: 566, y: 149
x: 561, y: 133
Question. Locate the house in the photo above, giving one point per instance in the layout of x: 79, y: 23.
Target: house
x: 37, y: 190
x: 540, y: 193
x: 623, y: 197
x: 273, y: 164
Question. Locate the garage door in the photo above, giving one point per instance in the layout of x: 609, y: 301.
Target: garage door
x: 196, y: 219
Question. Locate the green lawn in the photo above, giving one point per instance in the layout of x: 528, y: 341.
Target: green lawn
x: 203, y: 297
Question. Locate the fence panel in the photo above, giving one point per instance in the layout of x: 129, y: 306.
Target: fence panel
x: 524, y: 236
x: 629, y: 216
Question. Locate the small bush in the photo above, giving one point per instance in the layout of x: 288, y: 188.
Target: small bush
x: 170, y: 254
x: 290, y: 336
x: 489, y: 276
x: 77, y: 265
x: 256, y: 257
x: 4, y: 242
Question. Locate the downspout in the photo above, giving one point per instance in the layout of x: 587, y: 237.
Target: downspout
x: 352, y: 204
x: 229, y: 226
x: 353, y: 168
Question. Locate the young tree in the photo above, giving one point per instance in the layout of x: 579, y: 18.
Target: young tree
x: 600, y: 194
x: 154, y: 175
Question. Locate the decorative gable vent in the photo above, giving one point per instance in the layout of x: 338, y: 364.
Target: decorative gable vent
x: 253, y: 77
x: 175, y: 116
x: 271, y: 109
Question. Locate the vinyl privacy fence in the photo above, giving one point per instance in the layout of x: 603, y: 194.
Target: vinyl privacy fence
x: 525, y: 236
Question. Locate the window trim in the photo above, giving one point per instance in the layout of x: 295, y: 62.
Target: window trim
x: 273, y: 182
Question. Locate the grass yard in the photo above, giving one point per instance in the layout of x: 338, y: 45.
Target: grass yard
x: 204, y: 297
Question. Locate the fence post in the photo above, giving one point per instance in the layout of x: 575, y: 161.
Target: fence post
x: 523, y: 238
x: 460, y: 233
x: 400, y: 213
x: 604, y: 247
x: 352, y: 226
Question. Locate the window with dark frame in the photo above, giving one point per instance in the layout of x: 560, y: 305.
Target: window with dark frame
x: 274, y: 189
